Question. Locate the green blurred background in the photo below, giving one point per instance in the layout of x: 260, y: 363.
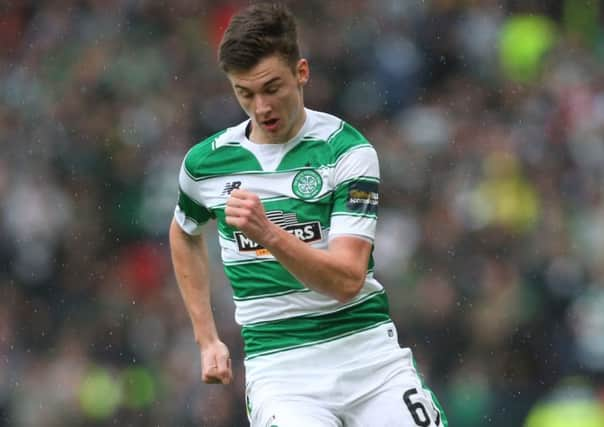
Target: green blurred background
x: 488, y: 117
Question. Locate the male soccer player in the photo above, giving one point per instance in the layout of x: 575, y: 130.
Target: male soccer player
x: 294, y: 193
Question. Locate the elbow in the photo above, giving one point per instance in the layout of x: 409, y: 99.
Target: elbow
x: 351, y: 290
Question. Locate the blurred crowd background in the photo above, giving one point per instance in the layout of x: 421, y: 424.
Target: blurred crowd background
x: 488, y: 117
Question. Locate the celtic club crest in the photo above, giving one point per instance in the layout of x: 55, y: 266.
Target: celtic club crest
x: 307, y: 184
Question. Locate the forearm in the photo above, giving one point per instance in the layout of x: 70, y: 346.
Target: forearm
x: 338, y: 272
x: 190, y: 260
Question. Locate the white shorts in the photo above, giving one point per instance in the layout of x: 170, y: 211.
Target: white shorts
x: 364, y: 380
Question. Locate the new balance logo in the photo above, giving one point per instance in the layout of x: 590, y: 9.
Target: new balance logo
x: 230, y: 186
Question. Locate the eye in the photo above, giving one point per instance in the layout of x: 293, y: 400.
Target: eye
x: 272, y: 89
x: 244, y: 94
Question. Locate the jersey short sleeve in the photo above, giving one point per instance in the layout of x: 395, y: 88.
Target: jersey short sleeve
x: 356, y: 193
x: 190, y: 212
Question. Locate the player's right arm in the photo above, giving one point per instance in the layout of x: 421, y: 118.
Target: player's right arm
x: 190, y: 260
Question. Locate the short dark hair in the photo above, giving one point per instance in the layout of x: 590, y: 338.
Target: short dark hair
x: 258, y: 31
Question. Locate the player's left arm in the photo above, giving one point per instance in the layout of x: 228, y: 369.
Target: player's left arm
x: 340, y: 270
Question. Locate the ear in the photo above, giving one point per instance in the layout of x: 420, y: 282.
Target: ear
x: 302, y: 71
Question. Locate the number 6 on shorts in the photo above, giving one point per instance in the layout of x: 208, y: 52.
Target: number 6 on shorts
x: 418, y: 410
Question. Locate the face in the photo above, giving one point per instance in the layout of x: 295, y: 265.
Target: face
x: 271, y: 95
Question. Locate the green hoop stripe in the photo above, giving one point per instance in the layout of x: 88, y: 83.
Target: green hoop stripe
x: 287, y: 334
x: 254, y: 280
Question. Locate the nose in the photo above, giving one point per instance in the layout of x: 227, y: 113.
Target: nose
x: 262, y: 106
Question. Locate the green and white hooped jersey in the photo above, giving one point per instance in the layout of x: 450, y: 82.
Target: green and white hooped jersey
x: 321, y: 184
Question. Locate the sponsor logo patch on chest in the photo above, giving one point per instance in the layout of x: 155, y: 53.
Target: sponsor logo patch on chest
x: 308, y: 232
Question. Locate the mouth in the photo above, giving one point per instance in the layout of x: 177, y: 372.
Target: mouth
x: 270, y: 124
